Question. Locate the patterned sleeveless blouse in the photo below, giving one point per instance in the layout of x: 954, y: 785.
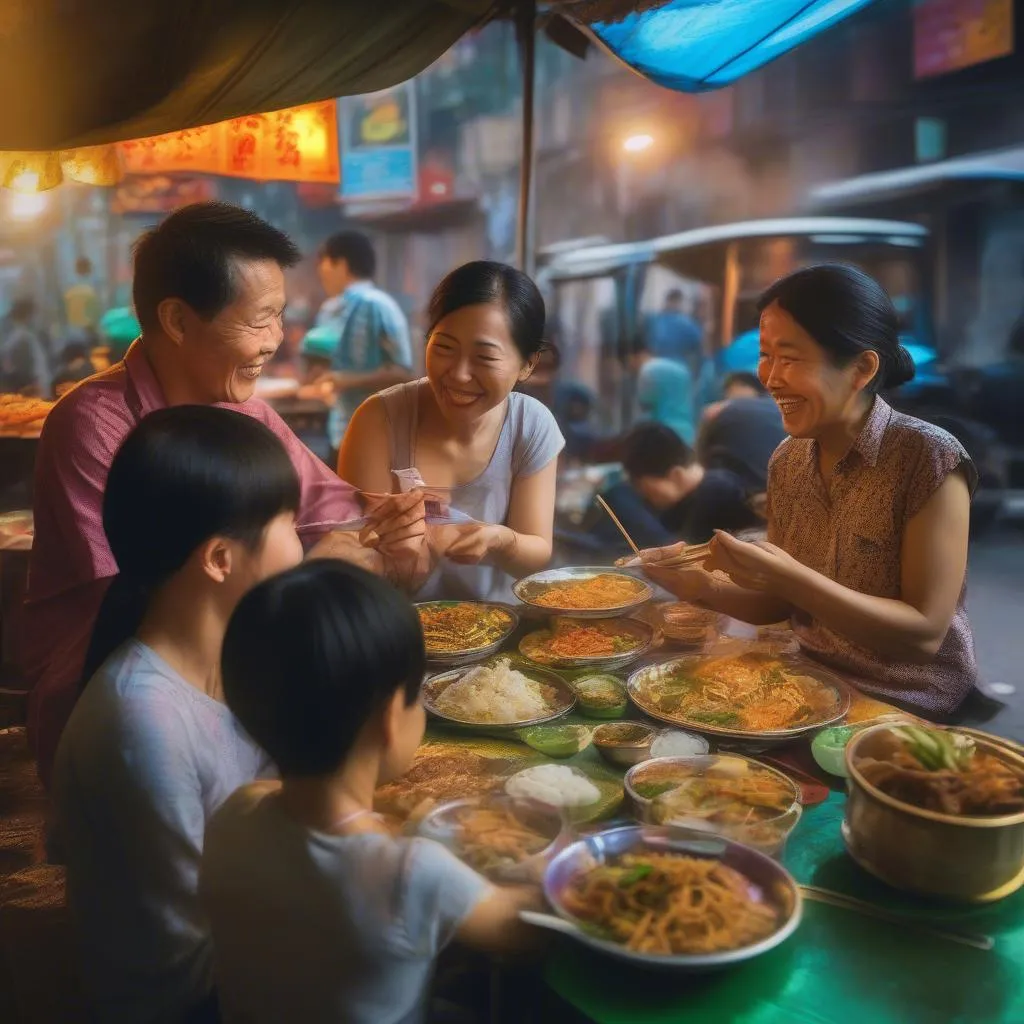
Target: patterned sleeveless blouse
x: 851, y: 530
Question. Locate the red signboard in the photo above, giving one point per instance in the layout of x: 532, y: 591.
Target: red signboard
x: 299, y: 144
x: 954, y: 34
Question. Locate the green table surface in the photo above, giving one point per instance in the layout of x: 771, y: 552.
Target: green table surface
x: 838, y: 968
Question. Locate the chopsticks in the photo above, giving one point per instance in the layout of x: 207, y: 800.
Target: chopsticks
x: 838, y: 899
x: 691, y: 555
x: 615, y: 519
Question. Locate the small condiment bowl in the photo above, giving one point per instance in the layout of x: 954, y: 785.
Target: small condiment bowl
x: 624, y: 744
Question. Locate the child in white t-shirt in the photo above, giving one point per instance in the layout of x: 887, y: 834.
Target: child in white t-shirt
x: 318, y: 914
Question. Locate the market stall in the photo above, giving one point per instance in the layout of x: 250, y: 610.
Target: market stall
x: 547, y: 728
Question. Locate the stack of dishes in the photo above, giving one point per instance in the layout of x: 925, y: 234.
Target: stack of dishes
x: 588, y: 629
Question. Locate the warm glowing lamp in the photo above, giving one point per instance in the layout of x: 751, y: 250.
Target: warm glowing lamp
x: 638, y: 143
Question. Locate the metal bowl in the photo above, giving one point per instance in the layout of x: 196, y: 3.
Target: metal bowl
x: 768, y: 881
x: 769, y: 836
x: 650, y: 673
x: 527, y: 590
x: 442, y: 825
x: 623, y: 755
x: 472, y: 654
x: 971, y: 859
x: 563, y: 703
x: 604, y: 662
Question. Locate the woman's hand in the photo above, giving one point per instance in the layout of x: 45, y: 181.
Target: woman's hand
x: 688, y: 582
x: 475, y: 542
x: 753, y: 565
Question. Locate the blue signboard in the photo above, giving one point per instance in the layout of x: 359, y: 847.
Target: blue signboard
x: 377, y: 133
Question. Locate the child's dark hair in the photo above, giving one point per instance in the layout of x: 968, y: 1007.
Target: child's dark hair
x: 182, y: 476
x: 311, y: 654
x: 654, y: 450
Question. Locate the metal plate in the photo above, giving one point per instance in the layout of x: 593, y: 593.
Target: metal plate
x: 643, y: 676
x: 605, y: 662
x: 472, y: 654
x: 768, y: 881
x: 529, y: 589
x: 565, y: 700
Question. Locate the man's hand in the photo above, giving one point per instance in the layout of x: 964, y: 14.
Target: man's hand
x: 393, y: 544
x: 396, y: 523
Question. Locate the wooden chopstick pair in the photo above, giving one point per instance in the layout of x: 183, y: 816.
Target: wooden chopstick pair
x: 694, y: 554
x: 852, y: 903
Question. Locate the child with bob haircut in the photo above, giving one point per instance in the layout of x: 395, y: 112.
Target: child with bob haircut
x: 318, y: 912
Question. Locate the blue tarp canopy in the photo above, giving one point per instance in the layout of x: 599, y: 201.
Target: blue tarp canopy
x: 696, y: 45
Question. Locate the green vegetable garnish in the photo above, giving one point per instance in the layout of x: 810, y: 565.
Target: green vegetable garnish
x: 634, y: 875
x: 937, y: 749
x: 650, y: 790
x: 716, y: 717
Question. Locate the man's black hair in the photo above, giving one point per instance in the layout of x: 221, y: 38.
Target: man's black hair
x: 191, y: 255
x: 355, y: 249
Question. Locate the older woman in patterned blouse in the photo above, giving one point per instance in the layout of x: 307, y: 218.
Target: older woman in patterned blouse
x: 868, y: 509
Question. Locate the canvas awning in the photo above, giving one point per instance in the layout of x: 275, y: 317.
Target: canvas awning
x: 76, y: 74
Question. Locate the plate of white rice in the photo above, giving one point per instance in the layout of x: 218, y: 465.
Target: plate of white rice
x: 497, y: 695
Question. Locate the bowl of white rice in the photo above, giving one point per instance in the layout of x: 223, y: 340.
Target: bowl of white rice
x: 497, y: 696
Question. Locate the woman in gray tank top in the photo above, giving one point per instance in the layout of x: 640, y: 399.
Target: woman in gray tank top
x: 465, y: 429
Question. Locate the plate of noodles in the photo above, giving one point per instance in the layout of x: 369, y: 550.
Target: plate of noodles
x: 459, y: 631
x: 584, y: 593
x: 589, y: 643
x: 671, y: 898
x: 499, y: 695
x: 503, y: 839
x: 751, y: 695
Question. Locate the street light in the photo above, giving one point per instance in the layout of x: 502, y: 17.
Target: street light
x: 27, y: 206
x: 638, y: 143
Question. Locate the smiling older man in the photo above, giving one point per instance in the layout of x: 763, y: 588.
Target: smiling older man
x: 209, y: 292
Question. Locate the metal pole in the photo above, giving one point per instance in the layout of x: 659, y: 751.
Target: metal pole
x: 526, y: 32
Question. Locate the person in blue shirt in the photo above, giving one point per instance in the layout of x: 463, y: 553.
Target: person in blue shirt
x: 664, y: 394
x: 372, y: 349
x: 674, y: 334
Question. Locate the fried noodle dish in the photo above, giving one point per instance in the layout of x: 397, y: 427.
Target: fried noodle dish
x: 719, y: 795
x: 569, y: 639
x: 439, y: 773
x: 18, y: 411
x: 455, y: 628
x: 666, y: 903
x: 492, y: 839
x: 751, y: 692
x: 606, y: 590
x: 941, y: 770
